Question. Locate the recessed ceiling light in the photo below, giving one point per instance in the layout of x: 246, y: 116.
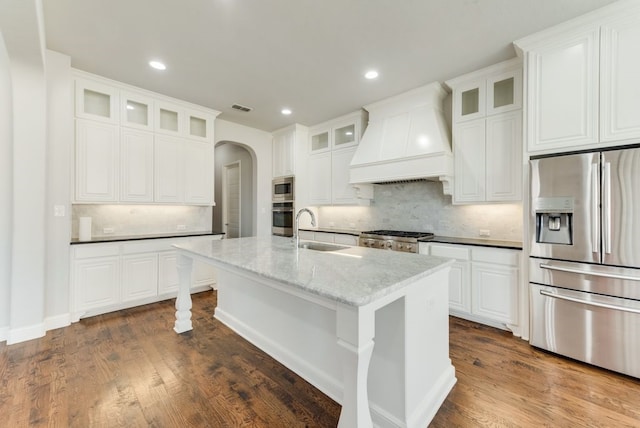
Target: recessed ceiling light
x: 371, y: 74
x: 286, y: 111
x: 157, y: 65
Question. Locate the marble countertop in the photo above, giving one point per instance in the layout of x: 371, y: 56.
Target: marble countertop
x: 95, y: 239
x: 355, y: 276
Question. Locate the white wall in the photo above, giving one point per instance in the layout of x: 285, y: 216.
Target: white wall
x: 23, y: 31
x: 6, y: 189
x: 58, y: 188
x: 226, y: 153
x: 261, y: 144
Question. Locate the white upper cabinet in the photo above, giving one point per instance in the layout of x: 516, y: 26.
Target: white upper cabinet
x: 331, y: 147
x: 620, y: 79
x: 96, y: 161
x: 198, y: 173
x: 489, y: 93
x: 487, y: 134
x: 136, y: 165
x: 284, y: 152
x: 134, y: 146
x: 96, y: 101
x: 136, y: 111
x: 562, y: 104
x: 583, y: 90
x: 169, y: 119
x: 198, y: 125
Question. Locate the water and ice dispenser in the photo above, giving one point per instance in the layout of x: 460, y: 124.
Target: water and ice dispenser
x: 554, y: 220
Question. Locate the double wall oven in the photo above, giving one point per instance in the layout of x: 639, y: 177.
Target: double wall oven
x: 282, y: 209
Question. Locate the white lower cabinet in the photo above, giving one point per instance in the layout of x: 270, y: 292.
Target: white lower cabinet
x: 97, y: 276
x: 484, y: 283
x: 112, y: 276
x: 139, y: 276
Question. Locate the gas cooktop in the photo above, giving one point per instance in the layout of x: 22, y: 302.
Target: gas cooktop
x: 382, y: 234
x: 396, y: 240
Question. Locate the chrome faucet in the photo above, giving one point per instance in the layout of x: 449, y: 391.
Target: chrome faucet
x: 296, y: 233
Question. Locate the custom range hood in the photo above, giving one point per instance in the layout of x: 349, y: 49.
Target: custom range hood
x: 407, y: 139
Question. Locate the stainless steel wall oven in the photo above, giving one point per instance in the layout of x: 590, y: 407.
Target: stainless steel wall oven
x: 282, y: 218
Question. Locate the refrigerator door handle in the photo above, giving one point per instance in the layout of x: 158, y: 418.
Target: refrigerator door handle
x: 590, y: 302
x: 606, y: 207
x: 595, y: 211
x: 588, y: 272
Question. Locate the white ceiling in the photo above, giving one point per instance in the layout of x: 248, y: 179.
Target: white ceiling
x: 308, y: 55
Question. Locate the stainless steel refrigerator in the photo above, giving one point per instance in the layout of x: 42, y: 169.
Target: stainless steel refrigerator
x: 584, y: 266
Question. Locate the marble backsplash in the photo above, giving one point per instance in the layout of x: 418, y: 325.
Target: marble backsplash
x: 422, y: 206
x: 126, y: 220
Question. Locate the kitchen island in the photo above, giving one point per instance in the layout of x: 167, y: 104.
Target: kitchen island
x: 319, y: 313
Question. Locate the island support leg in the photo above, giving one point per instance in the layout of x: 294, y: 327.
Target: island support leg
x: 355, y: 331
x: 183, y: 301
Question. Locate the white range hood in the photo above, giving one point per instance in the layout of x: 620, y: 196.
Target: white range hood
x: 407, y: 139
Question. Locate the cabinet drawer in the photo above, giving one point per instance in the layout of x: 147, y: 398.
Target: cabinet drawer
x: 86, y: 251
x: 459, y: 253
x: 496, y: 256
x: 146, y: 246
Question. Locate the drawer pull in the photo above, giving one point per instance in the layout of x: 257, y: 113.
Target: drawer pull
x: 590, y: 303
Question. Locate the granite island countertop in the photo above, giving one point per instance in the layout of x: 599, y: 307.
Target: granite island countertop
x: 355, y: 276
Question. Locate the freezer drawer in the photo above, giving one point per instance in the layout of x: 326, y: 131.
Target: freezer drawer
x: 600, y: 330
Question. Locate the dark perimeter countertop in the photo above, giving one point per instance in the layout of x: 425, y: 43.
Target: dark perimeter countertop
x: 97, y: 239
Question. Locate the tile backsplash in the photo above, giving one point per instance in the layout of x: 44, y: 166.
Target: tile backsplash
x: 422, y: 206
x: 126, y: 220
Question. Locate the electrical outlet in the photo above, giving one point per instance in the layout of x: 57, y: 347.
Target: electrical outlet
x: 485, y: 233
x: 182, y: 227
x: 107, y: 230
x: 58, y: 211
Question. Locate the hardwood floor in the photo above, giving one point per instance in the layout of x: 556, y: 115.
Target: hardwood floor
x: 130, y: 369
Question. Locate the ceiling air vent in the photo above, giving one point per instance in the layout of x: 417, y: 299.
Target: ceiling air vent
x: 241, y: 108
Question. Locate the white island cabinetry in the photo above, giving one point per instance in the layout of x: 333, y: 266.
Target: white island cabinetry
x: 376, y: 342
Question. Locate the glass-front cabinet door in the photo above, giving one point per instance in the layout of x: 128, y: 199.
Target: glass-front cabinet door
x: 504, y: 92
x: 470, y: 101
x: 198, y: 125
x: 96, y: 101
x: 319, y: 140
x: 345, y: 136
x: 168, y: 118
x: 136, y: 111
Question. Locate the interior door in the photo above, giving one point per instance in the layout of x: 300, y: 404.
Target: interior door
x: 621, y: 207
x: 231, y: 200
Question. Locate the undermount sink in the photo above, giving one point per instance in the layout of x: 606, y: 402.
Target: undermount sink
x: 320, y: 246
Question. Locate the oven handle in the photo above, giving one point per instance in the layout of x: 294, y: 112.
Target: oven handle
x: 601, y: 274
x: 590, y: 303
x: 282, y: 210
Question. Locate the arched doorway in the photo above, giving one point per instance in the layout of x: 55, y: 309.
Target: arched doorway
x: 235, y: 189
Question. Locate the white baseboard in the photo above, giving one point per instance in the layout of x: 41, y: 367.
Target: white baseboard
x: 4, y: 333
x: 58, y: 321
x: 22, y: 334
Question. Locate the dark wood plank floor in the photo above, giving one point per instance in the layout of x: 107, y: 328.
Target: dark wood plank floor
x: 130, y: 369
